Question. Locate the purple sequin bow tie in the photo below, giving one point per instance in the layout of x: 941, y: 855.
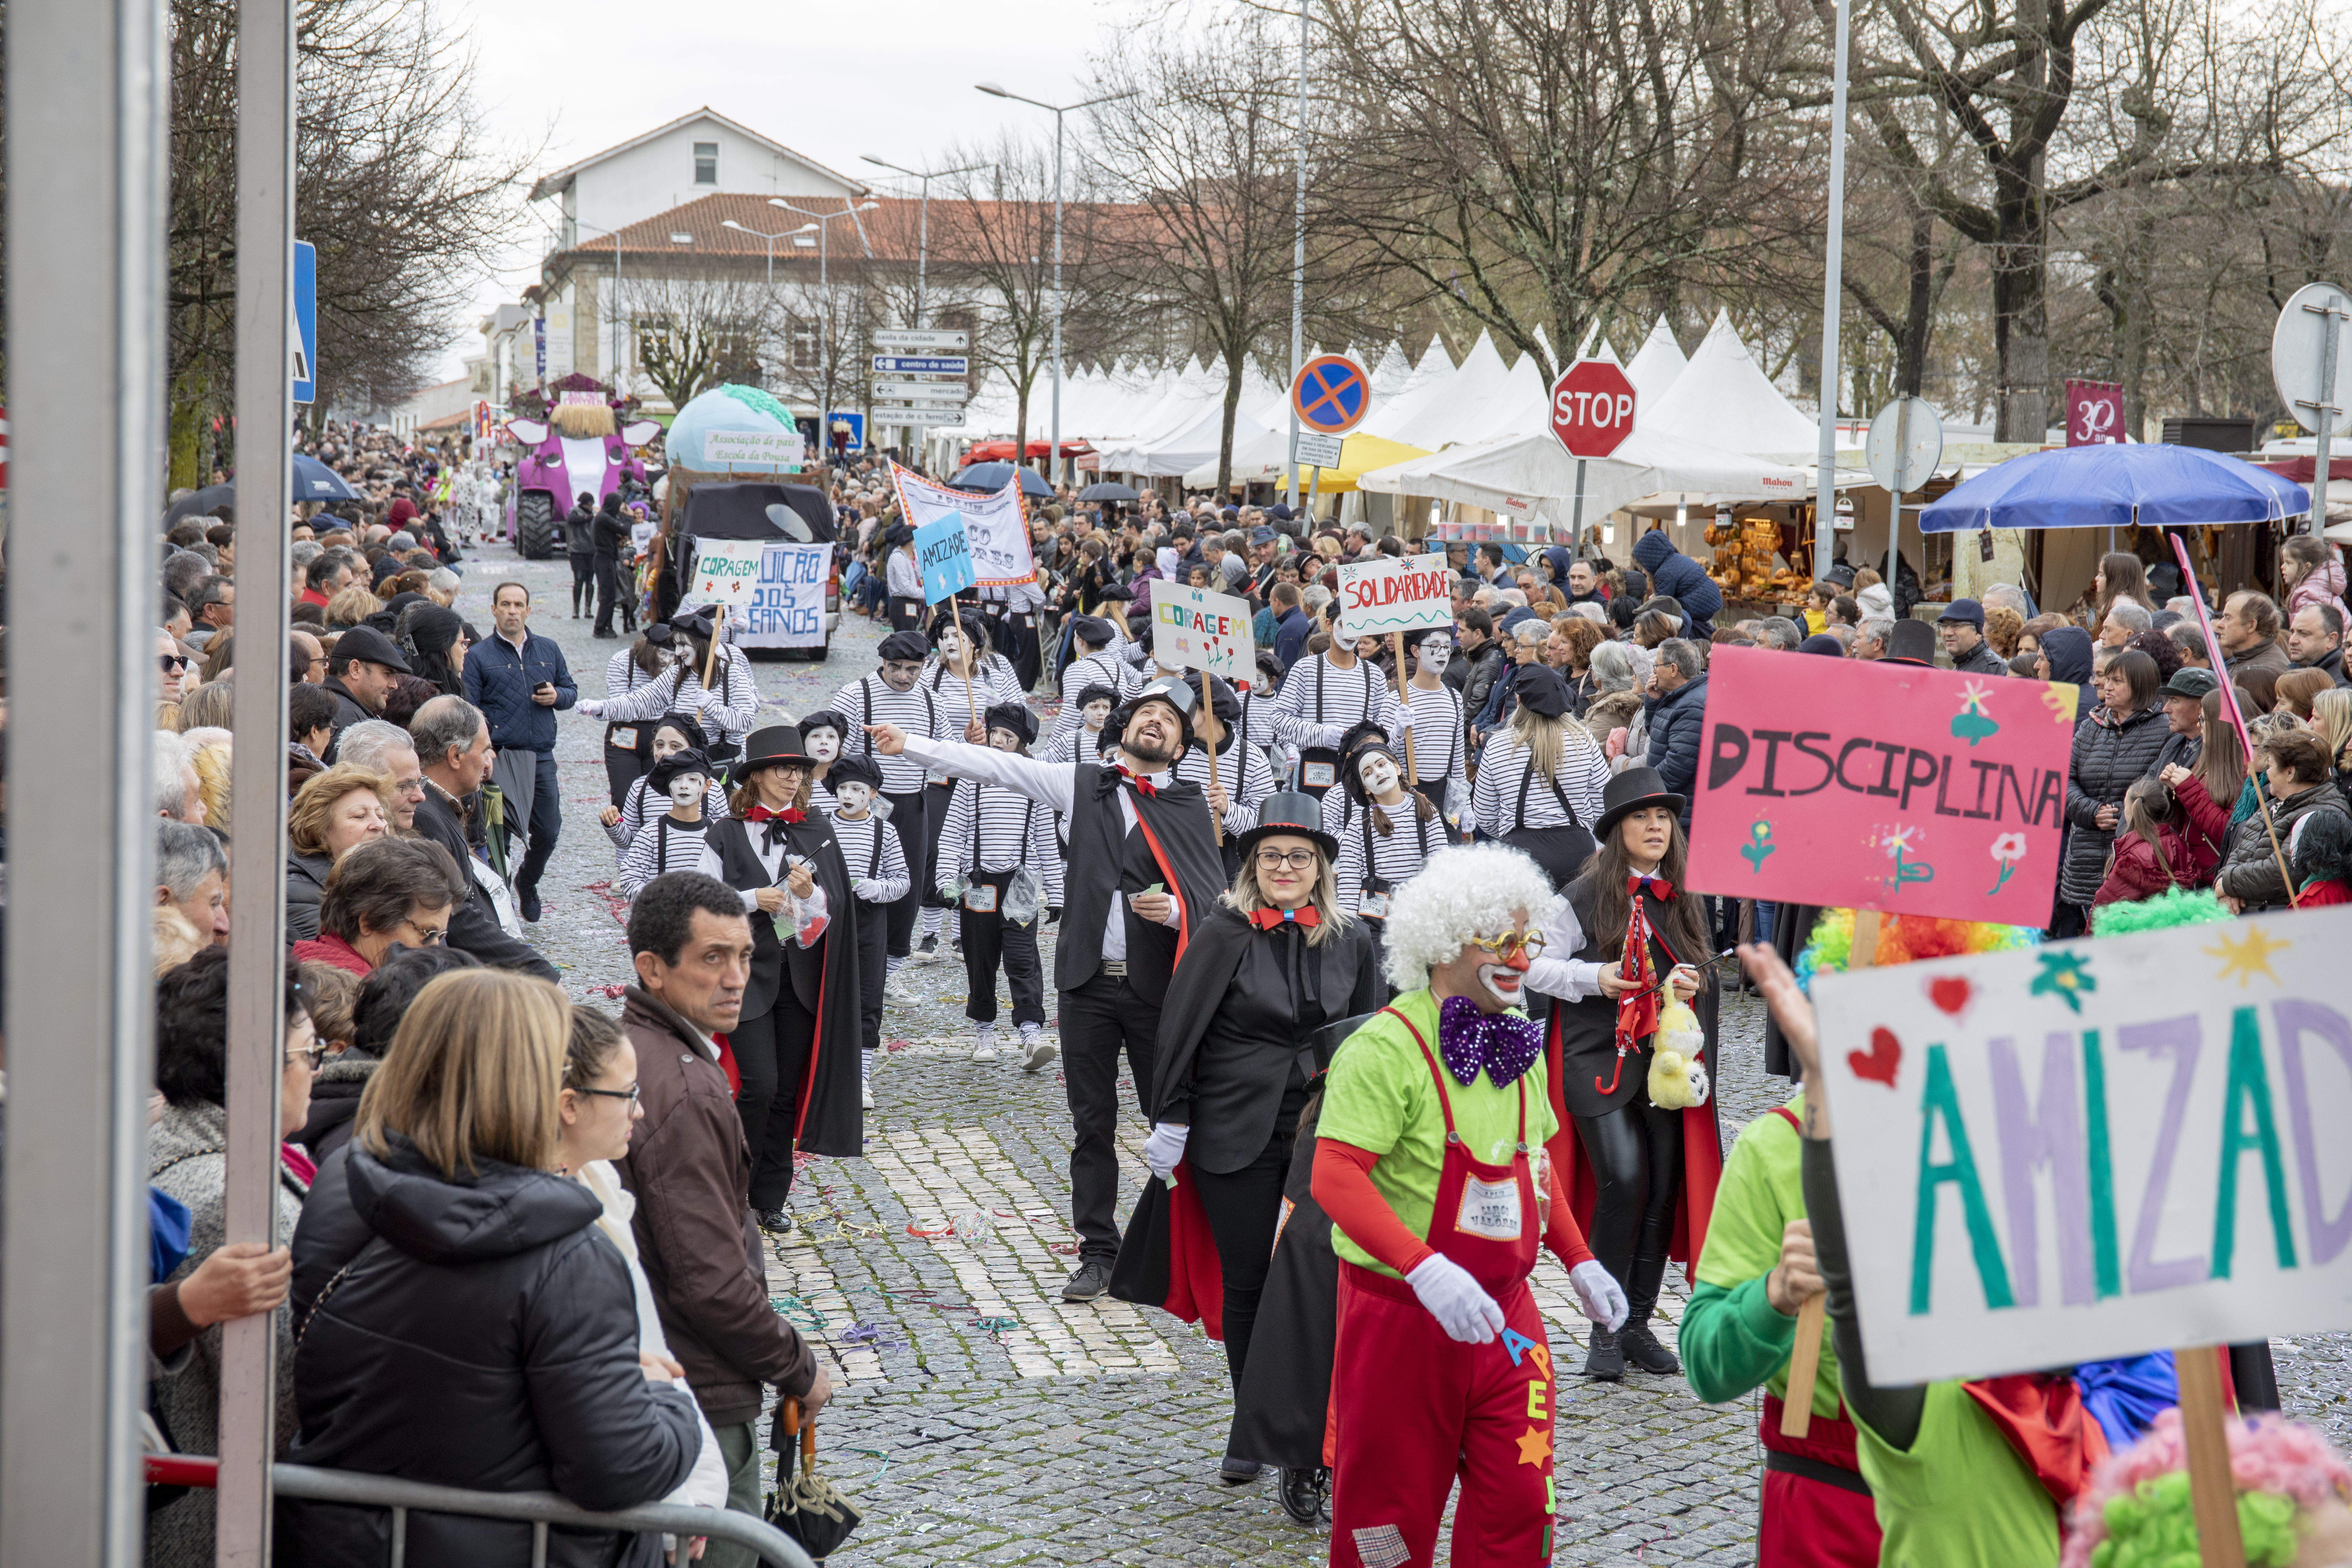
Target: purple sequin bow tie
x: 1503, y: 1043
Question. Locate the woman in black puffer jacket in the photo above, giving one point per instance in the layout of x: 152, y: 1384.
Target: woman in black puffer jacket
x: 459, y: 1320
x: 2117, y: 744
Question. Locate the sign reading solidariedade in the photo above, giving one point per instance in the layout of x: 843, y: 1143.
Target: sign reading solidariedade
x: 1388, y: 595
x: 2096, y: 1149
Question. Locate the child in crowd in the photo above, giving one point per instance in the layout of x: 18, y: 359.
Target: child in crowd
x: 673, y: 841
x: 999, y: 867
x: 878, y: 875
x: 673, y: 733
x: 2152, y: 854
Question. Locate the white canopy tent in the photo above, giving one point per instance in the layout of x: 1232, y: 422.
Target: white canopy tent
x: 1519, y: 476
x: 1655, y: 366
x: 1722, y: 398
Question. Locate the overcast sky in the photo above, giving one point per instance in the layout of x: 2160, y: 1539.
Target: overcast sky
x: 833, y: 81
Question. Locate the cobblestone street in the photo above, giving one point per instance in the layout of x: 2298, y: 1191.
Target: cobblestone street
x: 980, y: 1419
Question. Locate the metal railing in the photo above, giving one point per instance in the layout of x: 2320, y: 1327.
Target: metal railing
x: 540, y: 1510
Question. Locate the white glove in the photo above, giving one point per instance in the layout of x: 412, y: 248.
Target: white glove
x: 589, y: 708
x: 1598, y: 1294
x: 1404, y: 719
x: 867, y: 887
x: 1459, y: 1303
x: 1164, y: 1148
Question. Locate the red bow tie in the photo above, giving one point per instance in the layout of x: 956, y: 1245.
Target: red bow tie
x: 1267, y: 920
x: 763, y: 813
x: 1659, y: 888
x: 1138, y: 780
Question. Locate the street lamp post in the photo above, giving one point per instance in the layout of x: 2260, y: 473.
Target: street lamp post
x: 825, y: 286
x: 770, y: 239
x: 1056, y: 110
x: 923, y: 242
x: 620, y: 332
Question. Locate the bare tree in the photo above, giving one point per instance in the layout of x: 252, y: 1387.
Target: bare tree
x: 693, y: 333
x: 1206, y: 152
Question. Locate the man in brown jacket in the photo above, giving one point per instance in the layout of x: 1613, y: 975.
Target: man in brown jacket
x: 691, y: 1172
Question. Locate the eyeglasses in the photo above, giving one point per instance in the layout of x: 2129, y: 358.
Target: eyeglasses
x: 173, y: 662
x: 315, y: 1055
x: 1275, y: 860
x: 632, y: 1094
x: 1529, y: 942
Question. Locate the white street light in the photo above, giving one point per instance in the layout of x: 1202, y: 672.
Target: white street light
x: 823, y: 228
x: 1057, y: 112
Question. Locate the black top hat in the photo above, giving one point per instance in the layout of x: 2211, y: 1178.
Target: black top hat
x: 1633, y: 788
x: 1911, y: 642
x: 1290, y: 811
x: 764, y: 748
x: 1169, y: 690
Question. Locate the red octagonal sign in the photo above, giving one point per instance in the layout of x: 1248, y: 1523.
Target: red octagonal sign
x: 1591, y: 408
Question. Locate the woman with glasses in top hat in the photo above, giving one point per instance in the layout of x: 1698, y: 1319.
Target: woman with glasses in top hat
x: 1628, y: 939
x: 796, y: 1046
x: 1277, y: 960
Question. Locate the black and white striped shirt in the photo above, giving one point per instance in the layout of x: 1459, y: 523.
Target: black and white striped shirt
x: 661, y: 845
x: 639, y: 798
x: 1318, y: 702
x: 1071, y: 745
x: 878, y: 866
x: 1395, y: 860
x: 1582, y: 772
x: 1242, y: 769
x: 914, y: 710
x: 1103, y: 669
x: 1439, y: 751
x: 729, y: 710
x: 1012, y: 830
x: 992, y: 682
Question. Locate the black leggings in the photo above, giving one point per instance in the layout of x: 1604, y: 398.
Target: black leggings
x: 1636, y: 1153
x: 772, y: 1052
x: 584, y: 584
x: 1244, y: 1209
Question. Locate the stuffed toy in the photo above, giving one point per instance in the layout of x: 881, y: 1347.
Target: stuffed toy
x: 1677, y: 1064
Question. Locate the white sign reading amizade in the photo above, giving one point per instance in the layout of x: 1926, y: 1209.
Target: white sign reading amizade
x: 764, y: 447
x: 2096, y: 1149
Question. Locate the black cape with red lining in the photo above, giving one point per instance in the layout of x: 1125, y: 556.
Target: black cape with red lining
x: 824, y: 978
x: 1578, y: 1051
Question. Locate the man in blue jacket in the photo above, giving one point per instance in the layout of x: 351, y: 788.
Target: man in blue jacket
x: 1674, y: 574
x: 518, y: 680
x: 1677, y: 714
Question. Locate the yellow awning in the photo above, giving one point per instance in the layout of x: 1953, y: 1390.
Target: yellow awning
x: 1359, y: 454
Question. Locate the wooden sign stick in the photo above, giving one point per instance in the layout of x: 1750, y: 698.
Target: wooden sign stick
x: 1412, y: 773
x: 1209, y: 728
x: 1805, y: 1359
x: 2212, y: 1490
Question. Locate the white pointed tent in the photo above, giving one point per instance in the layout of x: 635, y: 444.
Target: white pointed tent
x: 1520, y: 475
x: 1435, y: 416
x: 1655, y: 366
x: 1723, y: 399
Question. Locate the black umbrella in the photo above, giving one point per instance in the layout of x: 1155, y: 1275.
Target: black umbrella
x: 313, y: 481
x: 200, y: 503
x: 1105, y: 491
x: 990, y: 477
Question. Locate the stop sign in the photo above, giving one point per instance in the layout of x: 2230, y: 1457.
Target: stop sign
x: 1591, y: 408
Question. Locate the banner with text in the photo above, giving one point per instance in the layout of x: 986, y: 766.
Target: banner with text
x: 787, y: 610
x: 1865, y: 784
x: 1192, y: 628
x: 1386, y: 594
x: 2096, y: 1149
x: 995, y: 526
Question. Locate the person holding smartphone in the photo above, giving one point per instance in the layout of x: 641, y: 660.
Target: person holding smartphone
x: 520, y: 681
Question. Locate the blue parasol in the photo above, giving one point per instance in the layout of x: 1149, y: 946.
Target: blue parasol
x: 2115, y: 487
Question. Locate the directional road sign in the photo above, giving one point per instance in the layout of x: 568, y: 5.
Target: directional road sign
x: 304, y: 372
x: 920, y: 391
x: 1591, y: 408
x: 904, y: 365
x: 924, y: 342
x: 1330, y: 395
x: 914, y: 418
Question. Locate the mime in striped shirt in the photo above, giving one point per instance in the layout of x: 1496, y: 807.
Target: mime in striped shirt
x: 1321, y: 697
x: 1441, y: 746
x: 728, y: 708
x: 1094, y: 665
x: 992, y: 833
x: 895, y: 694
x: 1236, y: 779
x: 672, y: 841
x: 1386, y: 833
x: 878, y: 879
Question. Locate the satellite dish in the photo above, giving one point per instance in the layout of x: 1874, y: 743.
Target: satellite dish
x: 795, y: 527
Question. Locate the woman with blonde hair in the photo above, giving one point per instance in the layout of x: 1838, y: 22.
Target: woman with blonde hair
x: 350, y: 608
x: 331, y: 814
x: 1277, y: 960
x: 434, y: 1347
x: 2331, y: 719
x: 209, y: 753
x: 1540, y: 777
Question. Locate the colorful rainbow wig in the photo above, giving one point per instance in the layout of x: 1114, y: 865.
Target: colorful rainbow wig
x: 1903, y: 939
x: 2135, y: 1512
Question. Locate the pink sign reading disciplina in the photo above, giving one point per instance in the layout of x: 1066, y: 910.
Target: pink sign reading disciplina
x: 1876, y: 785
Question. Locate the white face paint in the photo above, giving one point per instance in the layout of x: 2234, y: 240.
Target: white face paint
x: 667, y: 742
x: 687, y: 789
x: 952, y: 644
x: 854, y: 797
x: 1379, y: 773
x: 1004, y: 740
x: 1502, y: 983
x: 1096, y: 713
x: 824, y: 745
x: 1436, y: 653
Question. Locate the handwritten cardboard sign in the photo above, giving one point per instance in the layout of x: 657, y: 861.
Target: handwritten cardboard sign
x: 1387, y: 594
x: 726, y: 572
x: 1875, y: 785
x: 788, y: 609
x: 1192, y: 628
x: 943, y: 557
x: 996, y: 529
x: 2096, y: 1149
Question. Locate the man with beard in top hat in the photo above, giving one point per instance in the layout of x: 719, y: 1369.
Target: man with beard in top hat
x: 1143, y: 869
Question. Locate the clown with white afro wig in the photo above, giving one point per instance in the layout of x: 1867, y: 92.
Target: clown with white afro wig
x: 1429, y: 1158
x: 1463, y: 892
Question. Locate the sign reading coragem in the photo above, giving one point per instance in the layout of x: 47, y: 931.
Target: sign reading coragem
x: 1387, y: 595
x: 1192, y: 628
x: 2096, y: 1149
x: 725, y: 573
